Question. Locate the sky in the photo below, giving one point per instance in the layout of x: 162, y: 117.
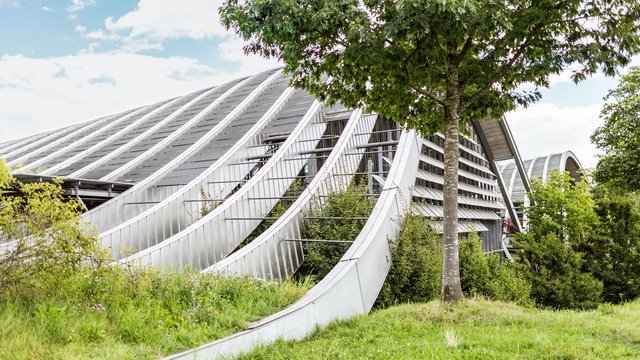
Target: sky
x: 68, y: 61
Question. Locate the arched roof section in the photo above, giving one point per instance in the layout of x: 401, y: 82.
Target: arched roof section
x: 540, y: 168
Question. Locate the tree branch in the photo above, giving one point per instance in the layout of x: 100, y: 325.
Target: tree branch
x: 467, y: 46
x: 498, y: 74
x: 428, y: 94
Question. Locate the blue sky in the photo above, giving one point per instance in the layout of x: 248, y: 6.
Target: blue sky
x: 67, y: 61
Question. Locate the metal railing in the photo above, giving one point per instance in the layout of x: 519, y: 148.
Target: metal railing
x: 211, y: 238
x: 267, y: 256
x: 115, y: 212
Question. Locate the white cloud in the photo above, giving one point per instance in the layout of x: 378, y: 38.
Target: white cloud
x: 10, y: 3
x: 155, y: 21
x: 43, y: 94
x: 78, y: 5
x: 544, y: 128
x: 231, y: 50
x: 47, y: 9
x: 80, y: 29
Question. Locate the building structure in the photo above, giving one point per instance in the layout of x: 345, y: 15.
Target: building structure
x: 185, y: 181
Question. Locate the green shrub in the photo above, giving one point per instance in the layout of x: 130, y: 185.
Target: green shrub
x: 562, y: 207
x: 554, y: 270
x: 562, y: 221
x: 612, y: 252
x: 416, y: 265
x: 484, y: 274
x: 51, y: 245
x: 342, y: 217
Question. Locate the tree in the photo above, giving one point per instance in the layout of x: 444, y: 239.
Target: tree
x: 561, y: 221
x: 437, y: 65
x: 619, y: 137
x: 51, y: 242
x: 562, y: 207
x: 612, y: 252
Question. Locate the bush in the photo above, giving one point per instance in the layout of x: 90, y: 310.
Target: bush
x: 416, y: 267
x: 612, y: 252
x: 484, y: 274
x: 50, y: 243
x: 342, y: 218
x: 554, y: 270
x: 561, y: 207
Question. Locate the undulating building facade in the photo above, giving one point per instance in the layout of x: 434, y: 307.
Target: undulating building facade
x: 185, y: 181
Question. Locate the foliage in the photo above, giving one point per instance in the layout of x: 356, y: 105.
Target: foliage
x: 619, y: 137
x: 142, y: 314
x: 483, y: 274
x: 561, y: 218
x: 437, y: 65
x: 400, y: 58
x: 562, y: 207
x: 49, y: 243
x: 483, y: 330
x: 5, y: 177
x: 288, y: 198
x: 612, y: 252
x: 416, y: 265
x: 341, y: 217
x: 579, y: 247
x: 208, y: 202
x: 554, y: 270
x: 416, y: 268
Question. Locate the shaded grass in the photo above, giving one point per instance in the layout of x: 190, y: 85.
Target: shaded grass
x: 473, y: 329
x: 137, y: 315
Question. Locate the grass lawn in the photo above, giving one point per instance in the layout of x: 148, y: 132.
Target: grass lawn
x: 143, y: 315
x: 473, y: 329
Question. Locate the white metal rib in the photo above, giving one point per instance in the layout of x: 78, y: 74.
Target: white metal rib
x: 113, y: 212
x: 212, y: 238
x: 546, y: 167
x: 78, y: 173
x: 267, y: 248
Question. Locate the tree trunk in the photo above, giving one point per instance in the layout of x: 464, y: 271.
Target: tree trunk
x: 451, y: 289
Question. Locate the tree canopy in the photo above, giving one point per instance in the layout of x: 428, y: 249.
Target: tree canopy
x: 619, y: 137
x: 435, y: 65
x: 393, y: 57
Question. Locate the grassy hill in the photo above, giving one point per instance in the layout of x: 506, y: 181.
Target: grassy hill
x: 473, y: 329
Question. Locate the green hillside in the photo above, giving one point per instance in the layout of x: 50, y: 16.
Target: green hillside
x: 473, y: 329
